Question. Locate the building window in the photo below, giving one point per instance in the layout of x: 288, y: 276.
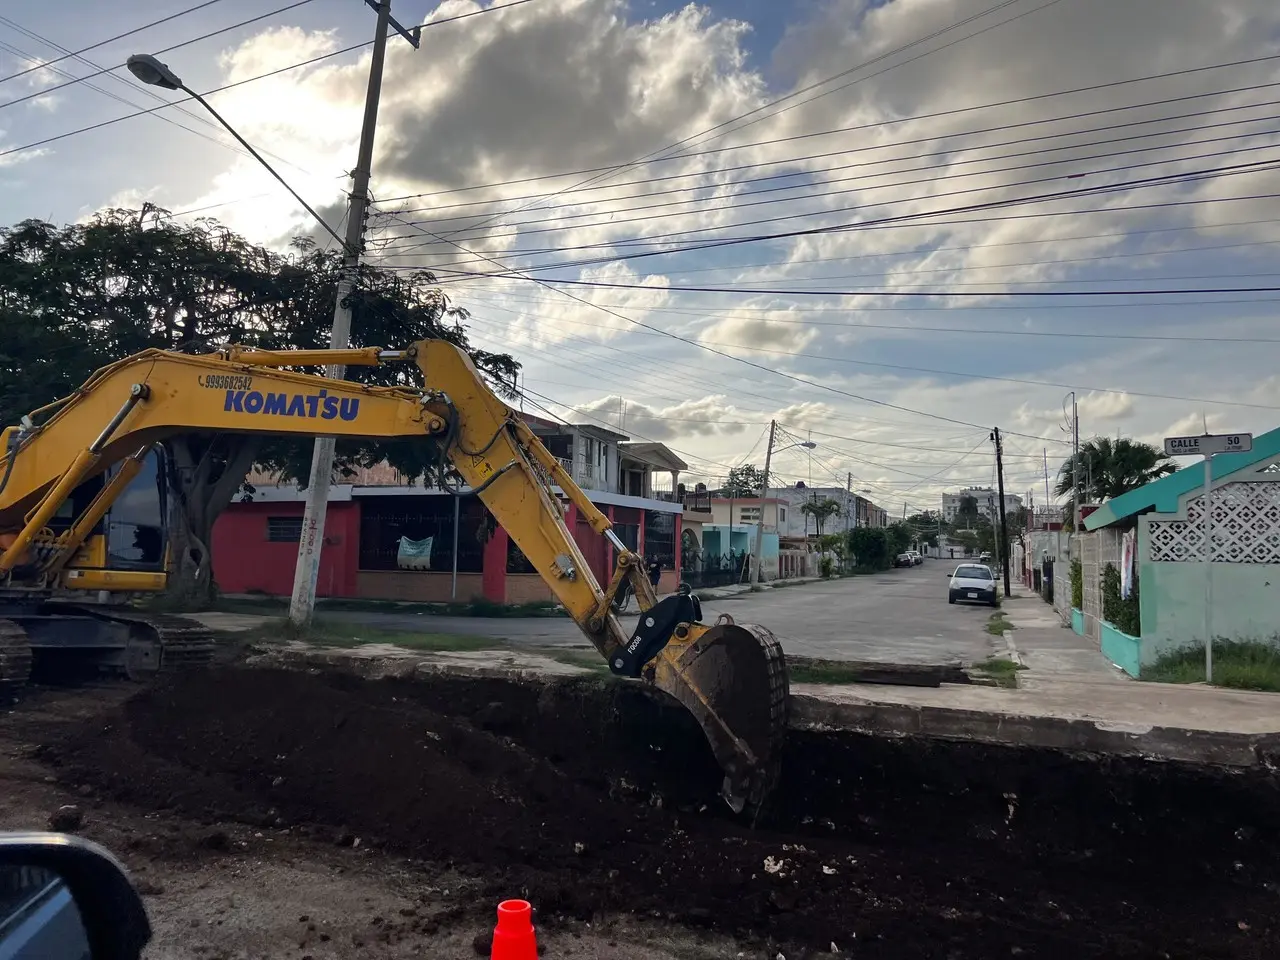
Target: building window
x: 284, y: 529
x: 782, y: 514
x: 660, y: 537
x: 749, y: 514
x: 384, y: 520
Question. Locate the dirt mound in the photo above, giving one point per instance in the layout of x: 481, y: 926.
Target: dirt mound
x: 573, y: 803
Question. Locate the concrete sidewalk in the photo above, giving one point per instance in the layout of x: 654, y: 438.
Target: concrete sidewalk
x: 1070, y: 697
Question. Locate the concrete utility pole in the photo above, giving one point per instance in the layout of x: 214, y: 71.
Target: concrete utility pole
x: 311, y: 543
x: 764, y: 493
x: 1004, y: 526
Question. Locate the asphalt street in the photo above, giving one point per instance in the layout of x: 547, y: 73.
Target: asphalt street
x: 899, y: 616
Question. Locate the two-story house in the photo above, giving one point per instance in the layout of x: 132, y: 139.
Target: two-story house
x: 387, y: 537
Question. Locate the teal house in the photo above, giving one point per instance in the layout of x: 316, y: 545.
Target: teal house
x: 1168, y: 516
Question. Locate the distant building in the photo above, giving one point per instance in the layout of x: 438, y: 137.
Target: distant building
x: 988, y: 501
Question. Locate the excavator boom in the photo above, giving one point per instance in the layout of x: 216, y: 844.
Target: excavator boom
x: 731, y: 678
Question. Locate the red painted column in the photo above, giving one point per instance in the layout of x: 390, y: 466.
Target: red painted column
x: 495, y: 567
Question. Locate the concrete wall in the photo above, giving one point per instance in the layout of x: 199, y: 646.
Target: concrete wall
x: 1121, y: 649
x: 245, y: 561
x: 1246, y: 604
x: 415, y: 586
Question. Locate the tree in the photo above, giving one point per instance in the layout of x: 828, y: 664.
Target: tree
x: 869, y: 547
x: 77, y: 297
x: 899, y: 536
x: 821, y: 511
x: 743, y: 481
x: 1107, y: 468
x: 967, y: 512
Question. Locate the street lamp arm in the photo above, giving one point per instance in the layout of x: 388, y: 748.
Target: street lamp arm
x: 151, y: 71
x: 270, y: 169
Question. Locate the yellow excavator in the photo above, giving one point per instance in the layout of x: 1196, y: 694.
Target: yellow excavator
x: 68, y: 582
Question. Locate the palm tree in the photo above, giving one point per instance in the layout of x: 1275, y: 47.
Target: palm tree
x: 1107, y: 468
x: 820, y: 510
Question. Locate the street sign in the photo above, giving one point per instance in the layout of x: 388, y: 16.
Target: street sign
x: 1208, y: 444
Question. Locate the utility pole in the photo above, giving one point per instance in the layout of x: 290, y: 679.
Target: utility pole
x: 1004, y: 527
x: 764, y: 494
x: 848, y: 495
x: 311, y: 543
x: 1075, y: 463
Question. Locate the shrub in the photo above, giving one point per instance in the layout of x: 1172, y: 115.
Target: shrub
x: 1121, y: 612
x: 1077, y: 585
x: 826, y: 566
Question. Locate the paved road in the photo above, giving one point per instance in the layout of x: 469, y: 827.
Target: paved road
x: 900, y: 616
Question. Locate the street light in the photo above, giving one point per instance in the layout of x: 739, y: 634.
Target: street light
x: 156, y: 74
x: 764, y: 493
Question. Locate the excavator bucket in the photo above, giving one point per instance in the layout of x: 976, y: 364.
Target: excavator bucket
x: 733, y: 679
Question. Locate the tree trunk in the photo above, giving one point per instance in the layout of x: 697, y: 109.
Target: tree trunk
x: 204, y: 474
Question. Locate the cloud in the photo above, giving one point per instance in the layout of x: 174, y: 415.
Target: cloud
x: 705, y: 417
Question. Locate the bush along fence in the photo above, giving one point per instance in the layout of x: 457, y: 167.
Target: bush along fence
x: 1121, y: 627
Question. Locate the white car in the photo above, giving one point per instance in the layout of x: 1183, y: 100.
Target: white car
x: 972, y: 583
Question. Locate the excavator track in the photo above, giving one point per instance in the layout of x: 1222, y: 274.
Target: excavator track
x: 160, y: 643
x: 15, y: 658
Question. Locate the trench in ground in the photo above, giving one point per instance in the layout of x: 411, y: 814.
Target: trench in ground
x: 590, y: 796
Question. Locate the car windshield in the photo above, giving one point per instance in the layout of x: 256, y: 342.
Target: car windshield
x: 973, y: 573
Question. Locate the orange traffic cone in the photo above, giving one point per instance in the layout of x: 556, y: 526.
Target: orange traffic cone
x: 513, y: 937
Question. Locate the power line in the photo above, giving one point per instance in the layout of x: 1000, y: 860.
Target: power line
x: 118, y: 36
x: 900, y: 328
x: 132, y: 86
x: 915, y: 252
x: 820, y: 83
x: 869, y: 163
x: 981, y: 206
x: 889, y: 121
x: 611, y: 219
x: 185, y: 43
x: 240, y: 83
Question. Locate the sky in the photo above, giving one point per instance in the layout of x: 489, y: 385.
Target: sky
x: 889, y: 226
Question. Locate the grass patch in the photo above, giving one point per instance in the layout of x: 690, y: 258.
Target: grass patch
x: 1239, y: 664
x: 1003, y: 672
x: 586, y: 659
x: 997, y: 625
x: 348, y: 636
x: 472, y: 608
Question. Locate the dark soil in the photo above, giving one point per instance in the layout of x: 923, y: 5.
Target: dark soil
x: 590, y: 797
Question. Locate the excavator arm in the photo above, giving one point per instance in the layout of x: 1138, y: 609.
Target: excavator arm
x: 731, y: 678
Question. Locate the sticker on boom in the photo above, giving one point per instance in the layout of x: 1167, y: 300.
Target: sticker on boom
x: 292, y: 405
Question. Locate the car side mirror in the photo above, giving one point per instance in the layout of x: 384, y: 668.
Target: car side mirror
x: 64, y: 897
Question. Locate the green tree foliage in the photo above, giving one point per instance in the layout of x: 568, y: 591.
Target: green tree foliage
x: 967, y: 515
x: 1077, y: 585
x: 1107, y: 468
x: 821, y: 511
x: 869, y: 547
x: 900, y: 537
x: 743, y: 481
x: 75, y: 298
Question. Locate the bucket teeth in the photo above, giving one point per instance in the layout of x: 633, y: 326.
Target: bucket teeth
x: 733, y: 679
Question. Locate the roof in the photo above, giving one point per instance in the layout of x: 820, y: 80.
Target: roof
x: 1163, y: 495
x: 654, y: 454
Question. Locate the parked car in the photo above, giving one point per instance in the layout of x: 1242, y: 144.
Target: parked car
x: 916, y: 558
x: 972, y: 583
x: 985, y: 557
x: 903, y: 560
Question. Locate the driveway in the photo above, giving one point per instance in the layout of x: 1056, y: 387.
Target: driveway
x: 899, y: 616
